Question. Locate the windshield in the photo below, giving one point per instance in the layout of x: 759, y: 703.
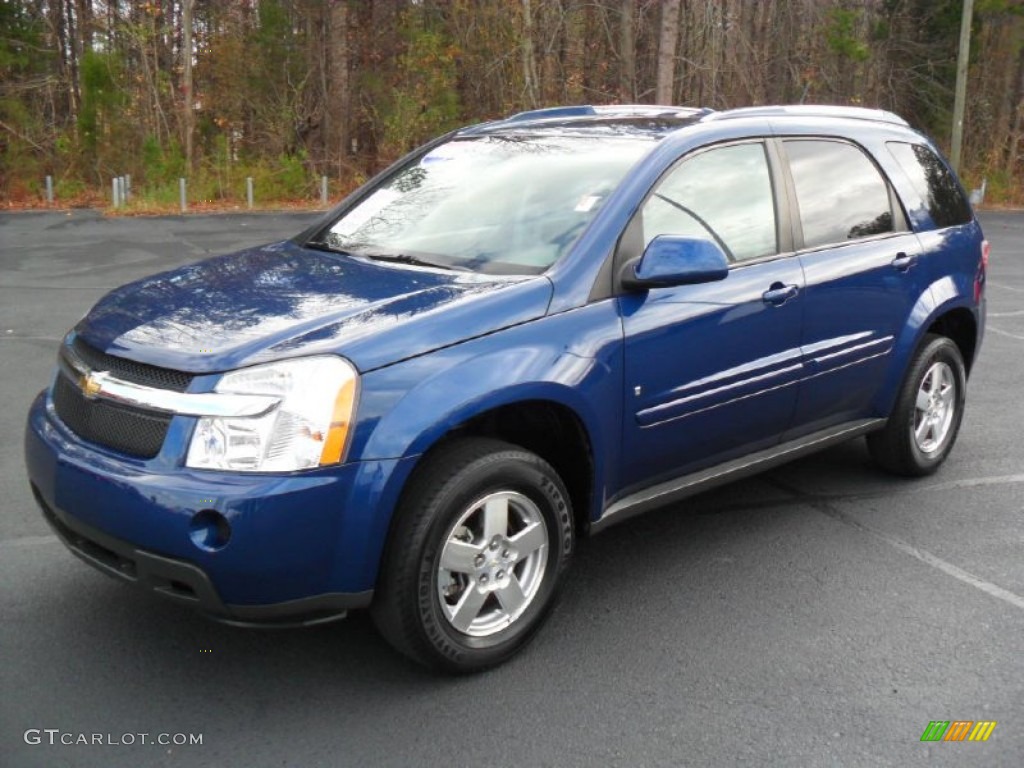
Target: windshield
x: 497, y: 203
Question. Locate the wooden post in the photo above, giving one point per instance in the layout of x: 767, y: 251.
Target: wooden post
x: 960, y: 100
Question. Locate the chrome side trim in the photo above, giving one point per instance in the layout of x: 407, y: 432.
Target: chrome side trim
x: 100, y: 384
x: 885, y: 341
x: 689, y: 485
x: 650, y: 416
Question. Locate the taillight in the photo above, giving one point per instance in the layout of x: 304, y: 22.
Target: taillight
x: 979, y: 278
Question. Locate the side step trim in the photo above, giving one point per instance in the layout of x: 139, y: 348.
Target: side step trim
x: 698, y: 482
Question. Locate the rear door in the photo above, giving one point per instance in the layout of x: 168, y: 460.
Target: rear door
x: 863, y: 271
x: 711, y: 370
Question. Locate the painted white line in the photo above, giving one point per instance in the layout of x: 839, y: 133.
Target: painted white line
x: 1016, y: 313
x: 1001, y: 332
x: 972, y: 482
x: 928, y: 558
x: 1004, y: 287
x: 28, y: 541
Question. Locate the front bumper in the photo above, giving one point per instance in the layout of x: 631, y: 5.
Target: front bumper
x: 303, y: 547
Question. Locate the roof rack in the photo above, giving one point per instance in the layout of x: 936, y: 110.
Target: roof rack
x: 608, y: 110
x: 808, y: 110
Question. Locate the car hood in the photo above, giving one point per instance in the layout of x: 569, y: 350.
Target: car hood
x: 283, y: 300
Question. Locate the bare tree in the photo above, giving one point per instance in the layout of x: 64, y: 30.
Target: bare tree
x: 187, y: 111
x: 530, y: 86
x: 627, y: 50
x: 667, y: 40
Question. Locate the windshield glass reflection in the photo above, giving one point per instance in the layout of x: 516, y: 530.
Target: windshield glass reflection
x: 498, y: 204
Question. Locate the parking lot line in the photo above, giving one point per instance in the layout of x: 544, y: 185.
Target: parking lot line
x: 925, y: 557
x: 28, y: 541
x: 1001, y: 332
x: 992, y: 284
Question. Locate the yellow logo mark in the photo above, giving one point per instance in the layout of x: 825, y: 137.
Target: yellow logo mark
x: 982, y: 730
x: 90, y: 385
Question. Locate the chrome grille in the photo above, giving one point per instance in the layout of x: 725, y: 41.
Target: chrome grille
x: 130, y: 430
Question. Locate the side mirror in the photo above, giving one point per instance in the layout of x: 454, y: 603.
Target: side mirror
x: 673, y: 260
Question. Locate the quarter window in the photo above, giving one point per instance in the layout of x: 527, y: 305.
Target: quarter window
x: 723, y: 194
x: 933, y: 182
x: 840, y: 193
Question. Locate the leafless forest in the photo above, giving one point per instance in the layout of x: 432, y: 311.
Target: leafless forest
x: 285, y: 91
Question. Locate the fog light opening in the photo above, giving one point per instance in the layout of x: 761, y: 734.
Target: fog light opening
x: 210, y: 530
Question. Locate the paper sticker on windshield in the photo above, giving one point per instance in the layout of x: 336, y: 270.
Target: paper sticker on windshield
x: 587, y: 203
x: 365, y: 211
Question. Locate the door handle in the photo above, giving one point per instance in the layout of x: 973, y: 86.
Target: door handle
x: 903, y: 262
x: 779, y: 294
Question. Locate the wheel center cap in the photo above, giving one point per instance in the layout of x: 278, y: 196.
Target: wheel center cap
x: 494, y: 564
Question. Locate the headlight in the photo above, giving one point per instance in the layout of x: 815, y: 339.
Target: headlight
x: 308, y: 428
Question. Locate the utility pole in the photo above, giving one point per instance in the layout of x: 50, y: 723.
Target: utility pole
x: 959, y: 102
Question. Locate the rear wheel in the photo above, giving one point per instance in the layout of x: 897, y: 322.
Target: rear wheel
x: 926, y: 419
x: 480, y: 540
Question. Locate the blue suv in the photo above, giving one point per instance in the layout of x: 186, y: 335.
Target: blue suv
x: 522, y: 332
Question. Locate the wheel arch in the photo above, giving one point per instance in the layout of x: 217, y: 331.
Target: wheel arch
x: 538, y: 421
x: 960, y: 326
x: 549, y: 428
x: 953, y: 316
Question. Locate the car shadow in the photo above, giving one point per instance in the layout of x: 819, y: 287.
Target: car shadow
x: 197, y: 658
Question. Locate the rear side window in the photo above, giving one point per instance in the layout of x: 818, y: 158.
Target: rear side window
x: 933, y: 182
x: 840, y: 192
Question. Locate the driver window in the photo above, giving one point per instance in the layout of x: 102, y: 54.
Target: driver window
x: 722, y: 194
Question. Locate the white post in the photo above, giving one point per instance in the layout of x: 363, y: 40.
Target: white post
x: 323, y: 191
x: 181, y: 193
x: 49, y: 190
x: 248, y: 190
x: 113, y: 190
x: 127, y: 186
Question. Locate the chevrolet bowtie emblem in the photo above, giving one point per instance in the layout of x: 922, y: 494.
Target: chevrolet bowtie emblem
x: 90, y: 384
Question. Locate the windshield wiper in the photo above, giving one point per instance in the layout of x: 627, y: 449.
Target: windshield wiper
x: 405, y: 258
x: 322, y: 245
x: 399, y: 258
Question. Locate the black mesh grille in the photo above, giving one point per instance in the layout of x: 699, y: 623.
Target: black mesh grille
x: 134, y: 431
x: 129, y: 370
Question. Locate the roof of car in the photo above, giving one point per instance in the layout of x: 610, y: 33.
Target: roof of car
x: 808, y: 110
x: 660, y: 119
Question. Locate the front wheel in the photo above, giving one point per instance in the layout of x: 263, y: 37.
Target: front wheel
x: 482, y: 535
x: 926, y: 419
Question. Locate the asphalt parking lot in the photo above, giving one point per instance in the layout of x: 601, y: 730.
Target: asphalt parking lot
x: 820, y: 615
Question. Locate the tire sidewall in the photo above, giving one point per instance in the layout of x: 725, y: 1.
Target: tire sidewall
x: 513, y: 471
x: 939, y: 349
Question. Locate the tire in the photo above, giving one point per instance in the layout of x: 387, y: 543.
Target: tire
x: 477, y: 548
x: 926, y: 419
